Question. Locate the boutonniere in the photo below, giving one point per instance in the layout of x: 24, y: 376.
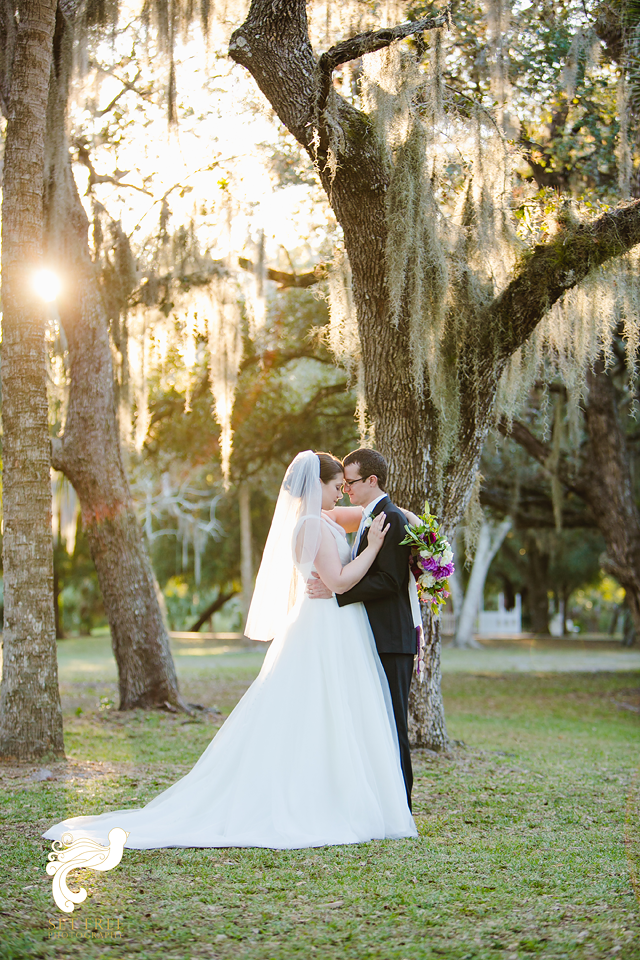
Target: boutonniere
x: 367, y: 523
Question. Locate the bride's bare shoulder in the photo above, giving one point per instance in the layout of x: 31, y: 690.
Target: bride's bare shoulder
x: 348, y: 518
x: 331, y: 523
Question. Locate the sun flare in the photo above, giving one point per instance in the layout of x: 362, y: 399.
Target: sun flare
x: 47, y: 285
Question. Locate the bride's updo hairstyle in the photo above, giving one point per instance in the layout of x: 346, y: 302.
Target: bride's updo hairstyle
x: 330, y: 466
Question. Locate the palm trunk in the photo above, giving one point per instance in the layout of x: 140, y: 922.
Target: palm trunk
x: 30, y: 712
x: 89, y: 452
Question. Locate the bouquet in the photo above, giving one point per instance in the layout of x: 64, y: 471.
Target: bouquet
x: 431, y: 560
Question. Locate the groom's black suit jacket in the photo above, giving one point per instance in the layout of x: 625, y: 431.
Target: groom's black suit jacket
x: 384, y: 589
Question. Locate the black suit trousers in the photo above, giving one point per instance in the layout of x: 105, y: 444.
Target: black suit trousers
x: 399, y: 670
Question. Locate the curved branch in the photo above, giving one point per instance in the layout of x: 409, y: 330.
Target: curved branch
x: 217, y: 604
x: 57, y: 454
x: 540, y: 452
x: 369, y: 42
x: 299, y: 280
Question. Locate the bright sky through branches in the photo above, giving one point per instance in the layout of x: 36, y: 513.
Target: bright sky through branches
x: 214, y: 170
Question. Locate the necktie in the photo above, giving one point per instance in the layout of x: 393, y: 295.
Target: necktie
x: 356, y: 542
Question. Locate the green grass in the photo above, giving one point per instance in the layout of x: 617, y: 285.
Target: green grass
x: 521, y: 854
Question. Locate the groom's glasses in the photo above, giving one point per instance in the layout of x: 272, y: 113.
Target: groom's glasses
x: 350, y: 483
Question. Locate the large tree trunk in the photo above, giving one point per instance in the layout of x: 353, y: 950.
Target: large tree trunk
x: 537, y: 578
x: 89, y: 452
x: 30, y: 712
x: 274, y: 46
x: 427, y: 725
x: 612, y: 497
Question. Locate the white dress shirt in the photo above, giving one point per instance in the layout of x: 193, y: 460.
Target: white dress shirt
x: 366, y: 513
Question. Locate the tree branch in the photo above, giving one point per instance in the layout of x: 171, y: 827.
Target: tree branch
x: 553, y: 268
x: 271, y: 359
x: 126, y: 87
x: 541, y: 452
x: 274, y: 359
x: 534, y: 508
x: 284, y: 280
x: 217, y: 604
x: 85, y: 160
x: 57, y: 454
x: 369, y: 42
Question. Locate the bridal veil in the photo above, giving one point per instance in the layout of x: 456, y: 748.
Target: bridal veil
x: 290, y: 549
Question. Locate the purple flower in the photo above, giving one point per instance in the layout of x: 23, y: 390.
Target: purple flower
x: 430, y: 564
x: 439, y: 571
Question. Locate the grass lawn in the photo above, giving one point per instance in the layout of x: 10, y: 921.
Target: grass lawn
x: 529, y: 834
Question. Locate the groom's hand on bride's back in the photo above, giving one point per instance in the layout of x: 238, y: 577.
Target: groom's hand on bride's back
x: 316, y: 589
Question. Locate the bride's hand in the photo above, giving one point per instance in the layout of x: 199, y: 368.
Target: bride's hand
x: 377, y: 531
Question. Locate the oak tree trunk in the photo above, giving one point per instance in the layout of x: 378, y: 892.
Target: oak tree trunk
x: 537, y: 580
x: 611, y: 487
x: 274, y: 46
x: 30, y: 712
x: 89, y: 452
x: 427, y: 725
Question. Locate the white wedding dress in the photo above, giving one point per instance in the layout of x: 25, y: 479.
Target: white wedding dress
x: 308, y: 757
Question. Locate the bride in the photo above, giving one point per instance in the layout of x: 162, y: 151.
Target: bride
x: 309, y: 756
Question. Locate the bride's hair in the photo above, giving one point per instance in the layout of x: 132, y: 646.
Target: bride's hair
x: 330, y: 466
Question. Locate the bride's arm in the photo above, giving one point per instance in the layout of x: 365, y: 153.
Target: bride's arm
x: 411, y: 517
x: 347, y: 517
x: 327, y: 562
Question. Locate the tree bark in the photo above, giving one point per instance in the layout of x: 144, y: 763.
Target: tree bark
x: 30, y: 711
x: 89, y: 452
x: 427, y: 724
x: 537, y: 577
x: 610, y: 487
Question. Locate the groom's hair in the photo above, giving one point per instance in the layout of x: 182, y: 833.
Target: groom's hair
x: 371, y: 463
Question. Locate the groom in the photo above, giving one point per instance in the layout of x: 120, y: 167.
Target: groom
x: 384, y: 590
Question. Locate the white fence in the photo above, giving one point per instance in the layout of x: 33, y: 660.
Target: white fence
x: 489, y: 623
x: 495, y: 623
